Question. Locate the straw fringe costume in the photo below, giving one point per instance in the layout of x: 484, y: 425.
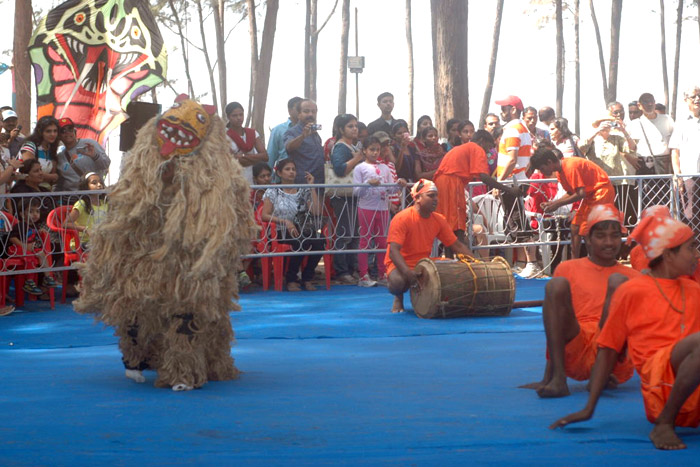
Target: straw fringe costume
x: 163, y: 265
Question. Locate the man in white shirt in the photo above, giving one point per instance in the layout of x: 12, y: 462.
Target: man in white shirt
x: 652, y: 132
x: 685, y: 146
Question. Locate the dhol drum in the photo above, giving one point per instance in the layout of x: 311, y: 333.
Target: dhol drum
x: 454, y: 288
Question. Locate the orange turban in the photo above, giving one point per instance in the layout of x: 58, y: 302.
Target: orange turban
x: 658, y: 210
x: 601, y: 213
x: 422, y: 186
x: 658, y: 233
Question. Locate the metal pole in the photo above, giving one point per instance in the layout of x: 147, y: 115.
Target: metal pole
x: 357, y: 75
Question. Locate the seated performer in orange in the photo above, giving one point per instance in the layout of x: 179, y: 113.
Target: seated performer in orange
x: 463, y: 164
x: 575, y: 305
x: 656, y: 316
x: 582, y: 180
x: 411, y: 235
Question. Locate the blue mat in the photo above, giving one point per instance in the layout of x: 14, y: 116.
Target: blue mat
x: 329, y: 378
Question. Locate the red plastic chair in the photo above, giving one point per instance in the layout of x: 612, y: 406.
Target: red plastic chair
x: 16, y: 262
x: 70, y: 239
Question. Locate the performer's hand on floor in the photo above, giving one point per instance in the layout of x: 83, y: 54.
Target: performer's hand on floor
x: 580, y: 416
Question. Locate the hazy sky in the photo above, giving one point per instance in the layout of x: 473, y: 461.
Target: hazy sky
x: 525, y: 63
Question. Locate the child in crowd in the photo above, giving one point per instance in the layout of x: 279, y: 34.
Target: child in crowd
x: 373, y: 207
x: 430, y: 156
x: 262, y: 175
x: 28, y: 241
x: 90, y: 210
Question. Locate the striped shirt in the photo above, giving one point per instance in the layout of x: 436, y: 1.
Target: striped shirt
x: 516, y: 137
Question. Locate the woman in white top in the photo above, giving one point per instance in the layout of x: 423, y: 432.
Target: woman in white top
x: 563, y: 139
x: 247, y: 145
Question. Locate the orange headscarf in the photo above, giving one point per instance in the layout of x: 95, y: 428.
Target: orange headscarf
x: 422, y: 186
x: 601, y: 213
x: 658, y: 233
x: 638, y: 259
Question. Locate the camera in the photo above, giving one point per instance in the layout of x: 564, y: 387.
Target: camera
x: 615, y: 125
x: 316, y: 126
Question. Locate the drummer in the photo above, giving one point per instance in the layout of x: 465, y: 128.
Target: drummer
x: 575, y: 305
x: 411, y: 236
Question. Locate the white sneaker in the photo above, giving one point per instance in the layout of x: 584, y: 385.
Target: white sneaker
x: 366, y: 282
x: 383, y: 281
x: 347, y: 279
x: 530, y: 270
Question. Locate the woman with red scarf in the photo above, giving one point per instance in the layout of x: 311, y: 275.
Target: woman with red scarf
x: 247, y: 145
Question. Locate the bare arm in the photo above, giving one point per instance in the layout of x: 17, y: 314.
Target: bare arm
x: 400, y: 263
x: 564, y: 200
x: 266, y: 216
x: 418, y: 169
x: 604, y: 364
x: 493, y: 183
x: 72, y: 219
x: 295, y: 144
x: 462, y: 249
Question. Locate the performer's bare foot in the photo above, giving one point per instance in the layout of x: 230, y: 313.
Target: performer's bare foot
x: 664, y: 437
x: 182, y: 387
x: 135, y: 375
x: 397, y: 307
x: 536, y: 386
x: 555, y: 388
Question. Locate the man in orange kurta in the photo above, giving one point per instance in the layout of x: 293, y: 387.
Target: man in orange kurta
x: 463, y: 164
x: 575, y: 305
x: 582, y: 180
x: 411, y: 235
x: 656, y: 317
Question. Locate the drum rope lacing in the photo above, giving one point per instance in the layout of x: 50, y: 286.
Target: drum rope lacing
x: 466, y: 259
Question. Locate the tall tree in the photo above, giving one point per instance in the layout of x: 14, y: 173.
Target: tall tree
x: 492, y: 64
x: 610, y: 80
x: 205, y: 51
x: 676, y: 59
x: 664, y: 67
x: 615, y: 23
x: 264, y: 64
x: 559, y: 15
x: 218, y: 8
x: 183, y: 47
x: 343, y: 75
x: 253, y: 32
x: 409, y: 45
x: 311, y: 32
x: 21, y: 66
x: 449, y: 31
x: 577, y: 64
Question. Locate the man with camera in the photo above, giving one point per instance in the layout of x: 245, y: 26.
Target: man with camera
x: 303, y: 144
x: 9, y: 125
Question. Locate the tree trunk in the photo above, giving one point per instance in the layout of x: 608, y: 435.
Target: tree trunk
x: 560, y: 56
x: 492, y: 65
x: 210, y: 69
x: 218, y: 7
x: 183, y: 47
x: 262, y: 83
x: 676, y: 59
x: 577, y: 62
x: 449, y: 20
x: 313, y: 42
x: 601, y: 58
x: 409, y: 44
x: 664, y: 68
x: 22, y: 71
x: 615, y: 22
x: 253, y: 31
x: 343, y: 75
x: 307, y: 41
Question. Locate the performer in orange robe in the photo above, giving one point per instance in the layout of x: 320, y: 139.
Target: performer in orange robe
x: 657, y: 318
x: 582, y: 179
x: 574, y: 306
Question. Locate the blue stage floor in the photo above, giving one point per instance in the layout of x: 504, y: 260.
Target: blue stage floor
x: 330, y: 377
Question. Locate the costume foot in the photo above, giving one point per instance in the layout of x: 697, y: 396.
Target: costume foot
x: 664, y: 437
x: 135, y: 375
x: 536, y: 386
x: 182, y: 387
x: 397, y: 307
x: 553, y: 389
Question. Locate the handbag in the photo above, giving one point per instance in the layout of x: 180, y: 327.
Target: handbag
x: 333, y: 179
x: 308, y: 224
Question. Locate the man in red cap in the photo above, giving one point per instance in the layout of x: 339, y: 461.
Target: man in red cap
x: 575, y: 305
x: 411, y: 235
x: 656, y: 318
x: 583, y: 181
x: 79, y: 157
